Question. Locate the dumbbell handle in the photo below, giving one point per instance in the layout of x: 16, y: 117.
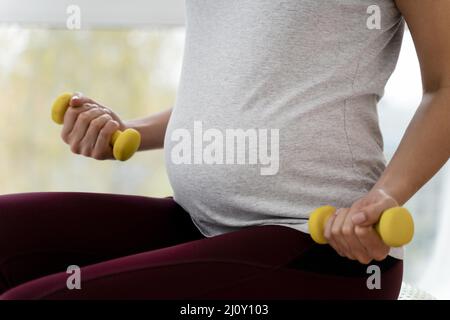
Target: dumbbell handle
x: 395, y: 226
x: 124, y: 144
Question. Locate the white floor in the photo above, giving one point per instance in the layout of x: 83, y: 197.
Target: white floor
x: 409, y: 292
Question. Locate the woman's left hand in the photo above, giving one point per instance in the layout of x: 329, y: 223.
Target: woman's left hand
x: 350, y: 230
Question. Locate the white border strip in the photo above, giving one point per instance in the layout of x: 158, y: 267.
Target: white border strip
x: 94, y: 13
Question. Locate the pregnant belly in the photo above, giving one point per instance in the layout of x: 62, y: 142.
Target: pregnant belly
x: 246, y: 169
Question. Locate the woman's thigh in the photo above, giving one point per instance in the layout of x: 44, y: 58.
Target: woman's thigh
x: 43, y: 233
x: 252, y: 263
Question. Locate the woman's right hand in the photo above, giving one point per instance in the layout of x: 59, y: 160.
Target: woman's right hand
x: 88, y: 128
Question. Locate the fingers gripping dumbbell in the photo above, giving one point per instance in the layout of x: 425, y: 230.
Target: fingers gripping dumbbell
x: 124, y: 144
x: 395, y: 226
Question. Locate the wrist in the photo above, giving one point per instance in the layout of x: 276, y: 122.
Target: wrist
x: 152, y: 135
x: 393, y: 189
x: 133, y: 124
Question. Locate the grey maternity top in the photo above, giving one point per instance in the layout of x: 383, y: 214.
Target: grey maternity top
x: 276, y: 108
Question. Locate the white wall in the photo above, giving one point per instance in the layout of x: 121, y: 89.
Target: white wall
x: 437, y: 275
x: 94, y: 13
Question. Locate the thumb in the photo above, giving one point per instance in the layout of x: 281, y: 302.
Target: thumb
x: 78, y: 100
x: 368, y: 215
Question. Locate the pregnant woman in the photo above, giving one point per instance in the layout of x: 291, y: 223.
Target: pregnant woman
x: 297, y: 83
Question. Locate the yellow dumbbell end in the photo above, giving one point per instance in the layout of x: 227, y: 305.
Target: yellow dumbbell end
x: 125, y: 144
x: 317, y: 222
x: 396, y: 227
x: 59, y: 107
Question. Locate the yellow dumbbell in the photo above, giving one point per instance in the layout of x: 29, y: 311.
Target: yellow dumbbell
x: 124, y: 144
x: 395, y: 227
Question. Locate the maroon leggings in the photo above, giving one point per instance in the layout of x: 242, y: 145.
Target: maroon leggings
x: 131, y: 247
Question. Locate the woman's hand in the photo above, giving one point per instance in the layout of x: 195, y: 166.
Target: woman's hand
x: 350, y: 230
x: 88, y: 128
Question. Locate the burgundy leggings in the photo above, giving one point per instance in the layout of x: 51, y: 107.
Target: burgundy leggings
x: 131, y: 247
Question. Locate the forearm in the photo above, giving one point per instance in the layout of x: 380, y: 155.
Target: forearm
x: 152, y: 129
x: 424, y: 149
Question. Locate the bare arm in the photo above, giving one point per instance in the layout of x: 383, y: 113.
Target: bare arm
x: 152, y: 129
x: 425, y: 146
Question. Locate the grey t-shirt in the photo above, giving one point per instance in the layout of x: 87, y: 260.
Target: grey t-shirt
x: 308, y: 74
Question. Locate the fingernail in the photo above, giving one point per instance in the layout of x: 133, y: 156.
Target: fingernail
x: 359, y: 217
x: 75, y: 98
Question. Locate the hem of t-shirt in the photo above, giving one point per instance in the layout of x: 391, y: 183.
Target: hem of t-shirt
x: 395, y: 252
x: 206, y: 235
